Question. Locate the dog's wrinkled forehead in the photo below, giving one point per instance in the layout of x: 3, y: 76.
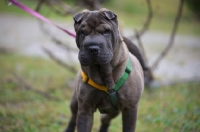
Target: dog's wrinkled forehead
x: 94, y: 18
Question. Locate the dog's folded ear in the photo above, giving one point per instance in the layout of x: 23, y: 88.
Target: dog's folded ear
x: 109, y: 14
x: 78, y: 17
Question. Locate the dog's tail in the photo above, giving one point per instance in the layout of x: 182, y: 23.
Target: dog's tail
x: 148, y: 76
x: 136, y: 52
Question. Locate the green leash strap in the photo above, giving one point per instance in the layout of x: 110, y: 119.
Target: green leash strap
x: 112, y: 93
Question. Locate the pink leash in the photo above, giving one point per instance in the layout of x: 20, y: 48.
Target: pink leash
x: 39, y: 16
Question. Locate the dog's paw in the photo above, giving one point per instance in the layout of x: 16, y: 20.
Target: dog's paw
x: 109, y: 84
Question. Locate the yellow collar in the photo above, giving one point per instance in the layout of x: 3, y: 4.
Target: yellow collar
x: 118, y: 84
x: 87, y: 80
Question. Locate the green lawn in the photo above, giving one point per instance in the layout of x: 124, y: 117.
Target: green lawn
x: 166, y: 109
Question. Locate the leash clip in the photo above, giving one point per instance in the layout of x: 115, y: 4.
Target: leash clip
x: 113, y: 97
x: 111, y: 91
x: 8, y: 2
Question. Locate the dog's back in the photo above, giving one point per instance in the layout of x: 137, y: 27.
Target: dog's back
x: 136, y: 52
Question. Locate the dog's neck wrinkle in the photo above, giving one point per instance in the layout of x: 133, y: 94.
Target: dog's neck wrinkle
x: 93, y: 72
x: 118, y: 64
x: 118, y: 53
x: 92, y: 20
x: 119, y: 61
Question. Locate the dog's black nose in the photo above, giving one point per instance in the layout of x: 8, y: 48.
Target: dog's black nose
x: 94, y: 50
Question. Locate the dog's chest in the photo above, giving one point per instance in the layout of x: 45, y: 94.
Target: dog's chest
x: 105, y: 106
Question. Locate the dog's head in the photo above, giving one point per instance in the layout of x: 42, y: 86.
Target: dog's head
x: 96, y: 36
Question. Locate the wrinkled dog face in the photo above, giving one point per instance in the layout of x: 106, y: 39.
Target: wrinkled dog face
x: 97, y: 35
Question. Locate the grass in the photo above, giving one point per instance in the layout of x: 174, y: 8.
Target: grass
x: 25, y: 110
x: 167, y: 109
x: 173, y: 109
x: 131, y: 14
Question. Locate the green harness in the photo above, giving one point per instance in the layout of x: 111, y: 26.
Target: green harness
x: 119, y: 83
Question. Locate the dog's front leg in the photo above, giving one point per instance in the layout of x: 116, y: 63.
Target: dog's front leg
x: 129, y: 117
x: 106, y: 71
x: 84, y: 120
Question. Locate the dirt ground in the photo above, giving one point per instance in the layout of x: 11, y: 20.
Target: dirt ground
x: 24, y: 36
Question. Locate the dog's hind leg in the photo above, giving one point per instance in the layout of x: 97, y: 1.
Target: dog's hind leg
x: 106, y: 119
x: 74, y: 108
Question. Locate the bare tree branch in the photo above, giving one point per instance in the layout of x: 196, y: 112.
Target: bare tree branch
x: 46, y: 32
x: 147, y: 73
x: 141, y: 46
x: 55, y: 40
x: 61, y: 8
x: 40, y: 2
x: 51, y: 3
x: 148, y: 20
x: 171, y: 41
x: 91, y: 4
x: 27, y: 86
x: 65, y: 65
x: 58, y: 6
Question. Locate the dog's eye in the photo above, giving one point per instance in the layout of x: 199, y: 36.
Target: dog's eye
x: 106, y: 32
x: 82, y: 32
